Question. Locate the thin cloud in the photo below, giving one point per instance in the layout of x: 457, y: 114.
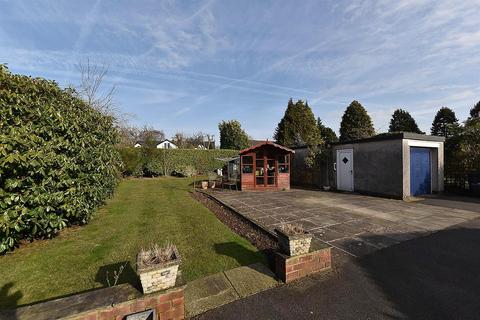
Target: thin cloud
x: 241, y: 59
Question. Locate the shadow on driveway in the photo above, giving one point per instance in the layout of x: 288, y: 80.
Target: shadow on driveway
x: 432, y: 277
x: 435, y: 277
x: 453, y: 202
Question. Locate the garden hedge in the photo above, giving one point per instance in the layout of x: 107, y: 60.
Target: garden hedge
x: 58, y: 160
x: 157, y: 162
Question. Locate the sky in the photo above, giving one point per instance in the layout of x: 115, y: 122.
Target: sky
x: 187, y: 65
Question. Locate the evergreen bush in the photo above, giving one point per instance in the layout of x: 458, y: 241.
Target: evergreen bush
x: 58, y: 160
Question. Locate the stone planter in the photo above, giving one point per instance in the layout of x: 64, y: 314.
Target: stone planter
x: 294, y: 245
x: 204, y: 184
x: 160, y: 276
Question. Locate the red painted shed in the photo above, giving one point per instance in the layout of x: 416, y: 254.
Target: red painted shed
x: 265, y: 166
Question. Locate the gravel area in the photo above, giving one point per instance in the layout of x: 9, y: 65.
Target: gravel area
x: 262, y: 240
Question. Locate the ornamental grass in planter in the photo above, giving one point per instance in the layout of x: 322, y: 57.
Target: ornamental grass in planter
x: 157, y: 267
x: 212, y: 179
x: 293, y: 240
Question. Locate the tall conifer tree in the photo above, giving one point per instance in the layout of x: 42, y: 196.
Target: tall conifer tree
x: 327, y: 134
x: 402, y: 121
x: 475, y: 111
x: 445, y: 123
x: 356, y: 123
x: 232, y: 136
x: 298, y: 126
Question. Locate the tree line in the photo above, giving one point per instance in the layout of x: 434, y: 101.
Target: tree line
x: 130, y: 135
x: 299, y: 128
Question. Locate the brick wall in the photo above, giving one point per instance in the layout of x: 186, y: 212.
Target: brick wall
x: 169, y: 304
x: 289, y: 268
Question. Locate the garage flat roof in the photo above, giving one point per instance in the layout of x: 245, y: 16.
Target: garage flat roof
x: 388, y: 136
x: 395, y: 136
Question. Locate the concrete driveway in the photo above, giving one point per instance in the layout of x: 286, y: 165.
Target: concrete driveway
x: 355, y: 224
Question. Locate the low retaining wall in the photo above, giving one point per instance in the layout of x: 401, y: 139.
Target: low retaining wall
x: 169, y: 304
x: 113, y: 303
x: 290, y: 268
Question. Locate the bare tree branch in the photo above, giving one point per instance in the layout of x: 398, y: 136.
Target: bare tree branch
x: 91, y: 89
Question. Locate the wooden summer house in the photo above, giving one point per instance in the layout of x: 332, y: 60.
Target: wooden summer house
x: 265, y: 166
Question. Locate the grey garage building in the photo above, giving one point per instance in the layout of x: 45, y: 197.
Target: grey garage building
x: 397, y: 165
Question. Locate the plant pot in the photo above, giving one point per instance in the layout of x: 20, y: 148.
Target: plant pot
x: 204, y: 184
x: 294, y: 245
x: 211, y: 184
x: 160, y: 276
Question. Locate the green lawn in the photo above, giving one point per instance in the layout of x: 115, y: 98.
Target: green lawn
x: 142, y: 211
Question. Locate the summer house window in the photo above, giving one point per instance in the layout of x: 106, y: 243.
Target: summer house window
x: 283, y: 163
x: 247, y: 164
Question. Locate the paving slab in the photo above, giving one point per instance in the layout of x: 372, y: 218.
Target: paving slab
x: 444, y: 221
x: 354, y: 246
x: 377, y: 240
x: 362, y: 225
x: 207, y: 293
x: 248, y: 280
x: 285, y: 217
x: 221, y: 288
x: 345, y: 229
x: 268, y: 220
x: 322, y: 221
x: 462, y: 213
x: 326, y: 234
x: 381, y: 222
x: 306, y: 224
x: 404, y: 232
x: 424, y: 224
x: 304, y: 213
x: 390, y: 216
x: 341, y: 215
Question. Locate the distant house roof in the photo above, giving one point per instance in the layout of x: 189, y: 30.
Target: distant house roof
x: 265, y: 143
x: 157, y: 142
x: 167, y: 140
x: 206, y: 145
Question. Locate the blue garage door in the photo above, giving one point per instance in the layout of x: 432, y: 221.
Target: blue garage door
x: 420, y: 175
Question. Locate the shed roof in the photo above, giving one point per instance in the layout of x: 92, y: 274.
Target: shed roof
x: 265, y: 143
x: 228, y: 159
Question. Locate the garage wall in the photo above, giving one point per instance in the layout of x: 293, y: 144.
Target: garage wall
x: 377, y: 167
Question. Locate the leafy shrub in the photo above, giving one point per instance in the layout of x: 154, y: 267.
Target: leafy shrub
x: 158, y: 162
x: 212, y: 176
x: 132, y: 161
x: 57, y: 159
x: 186, y: 171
